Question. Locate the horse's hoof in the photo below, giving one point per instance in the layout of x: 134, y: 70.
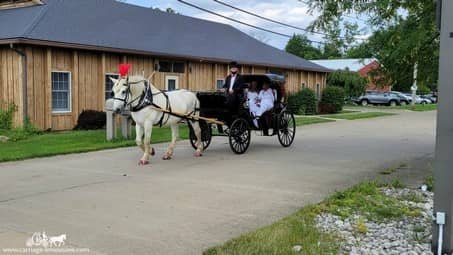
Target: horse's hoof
x: 143, y: 162
x: 198, y: 154
x: 153, y: 152
x: 166, y: 157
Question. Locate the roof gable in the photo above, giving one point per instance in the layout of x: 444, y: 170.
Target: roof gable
x: 110, y: 24
x: 352, y: 64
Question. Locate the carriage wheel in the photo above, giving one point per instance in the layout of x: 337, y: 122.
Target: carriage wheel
x: 239, y: 136
x: 286, y: 128
x: 206, y: 135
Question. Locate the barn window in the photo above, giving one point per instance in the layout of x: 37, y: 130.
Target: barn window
x: 178, y: 67
x: 303, y: 85
x: 61, y: 91
x: 171, y: 67
x: 318, y: 91
x: 220, y: 83
x: 277, y: 71
x: 109, y: 84
x: 165, y: 66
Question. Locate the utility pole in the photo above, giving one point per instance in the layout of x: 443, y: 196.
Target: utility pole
x: 443, y: 166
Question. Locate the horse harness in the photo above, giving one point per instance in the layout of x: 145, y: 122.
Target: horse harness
x: 146, y: 99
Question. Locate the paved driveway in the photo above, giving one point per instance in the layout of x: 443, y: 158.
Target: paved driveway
x: 105, y: 202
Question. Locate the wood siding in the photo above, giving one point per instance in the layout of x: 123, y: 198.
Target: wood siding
x: 88, y: 70
x: 11, y: 87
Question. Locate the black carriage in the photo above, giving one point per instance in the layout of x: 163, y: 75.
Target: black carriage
x: 238, y: 124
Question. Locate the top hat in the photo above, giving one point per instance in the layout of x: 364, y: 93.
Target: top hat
x: 234, y: 64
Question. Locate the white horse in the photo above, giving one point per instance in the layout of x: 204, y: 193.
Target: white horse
x: 57, y: 241
x: 130, y: 92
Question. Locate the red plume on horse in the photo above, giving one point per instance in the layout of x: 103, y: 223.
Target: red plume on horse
x: 123, y: 69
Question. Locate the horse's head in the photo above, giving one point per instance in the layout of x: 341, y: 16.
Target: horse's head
x: 121, y: 93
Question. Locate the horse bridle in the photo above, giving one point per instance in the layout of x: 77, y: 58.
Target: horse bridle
x: 146, y: 99
x: 140, y: 97
x: 128, y: 92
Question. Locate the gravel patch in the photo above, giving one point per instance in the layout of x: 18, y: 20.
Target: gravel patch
x: 405, y: 236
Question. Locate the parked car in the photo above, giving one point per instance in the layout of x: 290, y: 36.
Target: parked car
x: 430, y: 97
x: 376, y: 97
x: 420, y: 100
x: 404, y: 99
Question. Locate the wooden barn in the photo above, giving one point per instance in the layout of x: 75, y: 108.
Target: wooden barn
x: 57, y: 55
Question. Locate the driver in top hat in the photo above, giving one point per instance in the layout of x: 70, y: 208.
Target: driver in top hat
x: 234, y: 87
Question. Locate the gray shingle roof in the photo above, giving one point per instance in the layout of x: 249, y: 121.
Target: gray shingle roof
x: 110, y: 24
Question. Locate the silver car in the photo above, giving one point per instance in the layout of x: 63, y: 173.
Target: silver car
x: 404, y: 99
x: 376, y: 97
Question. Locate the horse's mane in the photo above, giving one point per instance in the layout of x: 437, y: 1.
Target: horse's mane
x: 138, y: 78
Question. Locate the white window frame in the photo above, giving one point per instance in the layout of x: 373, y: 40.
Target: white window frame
x: 105, y: 75
x: 216, y: 82
x: 69, y: 92
x: 171, y: 77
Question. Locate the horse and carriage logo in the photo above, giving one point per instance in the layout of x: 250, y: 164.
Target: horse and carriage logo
x: 41, y: 239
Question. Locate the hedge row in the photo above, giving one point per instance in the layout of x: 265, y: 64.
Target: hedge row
x: 304, y: 102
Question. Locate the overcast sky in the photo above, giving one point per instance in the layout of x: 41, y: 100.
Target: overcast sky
x: 288, y: 11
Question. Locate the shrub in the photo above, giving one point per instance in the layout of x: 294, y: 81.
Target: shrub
x: 91, y: 119
x: 332, y: 100
x: 20, y: 133
x: 302, y: 102
x: 294, y: 103
x: 6, y: 115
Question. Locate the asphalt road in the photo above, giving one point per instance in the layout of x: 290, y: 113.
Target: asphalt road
x: 105, y: 202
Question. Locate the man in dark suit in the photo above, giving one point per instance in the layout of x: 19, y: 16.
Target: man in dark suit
x: 234, y: 88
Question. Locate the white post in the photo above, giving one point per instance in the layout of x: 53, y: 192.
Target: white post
x: 414, y: 86
x: 111, y: 123
x: 110, y: 126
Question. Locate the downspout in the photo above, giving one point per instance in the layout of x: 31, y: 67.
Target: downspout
x: 24, y: 81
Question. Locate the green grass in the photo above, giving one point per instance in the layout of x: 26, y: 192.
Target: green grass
x: 56, y: 143
x: 429, y: 181
x: 420, y: 107
x: 280, y: 237
x: 360, y: 115
x: 365, y: 199
x: 393, y: 169
x: 24, y: 146
x: 300, y: 121
x: 417, y: 107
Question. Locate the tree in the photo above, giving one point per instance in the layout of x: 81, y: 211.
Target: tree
x: 170, y: 10
x: 362, y: 50
x: 332, y: 100
x: 353, y: 84
x: 406, y: 34
x: 299, y: 45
